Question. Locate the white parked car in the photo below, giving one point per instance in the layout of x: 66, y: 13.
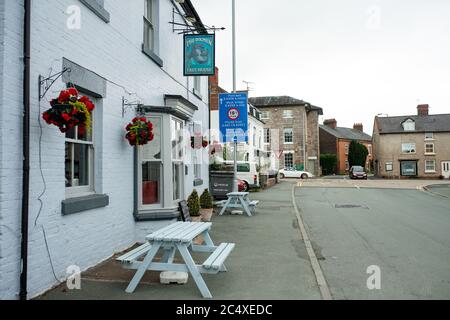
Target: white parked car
x: 294, y: 173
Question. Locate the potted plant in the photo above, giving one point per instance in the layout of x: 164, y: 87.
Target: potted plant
x: 206, y: 203
x: 193, y: 203
x: 69, y: 111
x: 139, y: 132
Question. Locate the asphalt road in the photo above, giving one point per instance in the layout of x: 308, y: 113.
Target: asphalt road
x: 406, y: 233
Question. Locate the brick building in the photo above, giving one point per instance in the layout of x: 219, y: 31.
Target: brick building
x: 414, y: 146
x: 108, y: 196
x: 291, y: 131
x: 336, y: 140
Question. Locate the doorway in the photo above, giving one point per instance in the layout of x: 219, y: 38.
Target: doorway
x: 446, y: 169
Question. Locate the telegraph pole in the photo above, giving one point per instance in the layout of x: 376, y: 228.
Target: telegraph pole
x: 235, y: 179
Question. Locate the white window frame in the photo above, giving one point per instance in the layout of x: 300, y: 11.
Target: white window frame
x: 427, y: 170
x: 267, y: 136
x: 149, y: 21
x: 347, y: 165
x: 347, y: 149
x: 162, y: 163
x: 179, y: 161
x: 426, y: 148
x: 197, y: 86
x: 409, y: 148
x: 197, y: 155
x: 80, y: 191
x: 369, y: 148
x: 288, y: 114
x: 389, y: 166
x: 286, y: 131
x: 409, y: 125
x: 265, y: 115
x: 429, y: 136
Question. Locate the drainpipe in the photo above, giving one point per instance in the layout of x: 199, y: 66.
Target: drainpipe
x: 26, y: 150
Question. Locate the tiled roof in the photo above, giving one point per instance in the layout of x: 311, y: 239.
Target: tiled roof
x: 347, y: 133
x: 431, y: 123
x: 277, y: 101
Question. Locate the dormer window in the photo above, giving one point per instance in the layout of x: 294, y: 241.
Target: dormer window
x: 409, y: 125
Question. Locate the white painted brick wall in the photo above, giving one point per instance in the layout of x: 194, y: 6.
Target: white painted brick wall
x: 113, y: 51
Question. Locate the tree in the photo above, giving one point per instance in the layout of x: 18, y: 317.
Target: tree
x: 357, y: 154
x: 328, y: 162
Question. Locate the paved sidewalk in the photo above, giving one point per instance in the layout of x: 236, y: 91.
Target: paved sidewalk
x: 439, y: 189
x: 345, y: 182
x: 269, y: 262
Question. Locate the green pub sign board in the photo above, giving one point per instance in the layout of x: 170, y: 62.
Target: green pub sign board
x: 199, y: 54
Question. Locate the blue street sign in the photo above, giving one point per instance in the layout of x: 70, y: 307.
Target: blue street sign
x: 233, y: 113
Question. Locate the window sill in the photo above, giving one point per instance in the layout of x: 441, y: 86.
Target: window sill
x: 81, y: 204
x: 430, y: 172
x: 157, y: 214
x: 290, y: 143
x: 430, y: 154
x: 97, y: 9
x: 153, y: 57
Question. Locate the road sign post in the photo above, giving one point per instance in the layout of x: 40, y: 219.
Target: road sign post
x: 233, y: 113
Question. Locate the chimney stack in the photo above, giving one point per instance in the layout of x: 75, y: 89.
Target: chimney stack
x: 358, y: 126
x: 423, y: 110
x: 332, y: 123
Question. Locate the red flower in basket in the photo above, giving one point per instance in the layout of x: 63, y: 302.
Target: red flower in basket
x: 69, y: 111
x: 139, y: 132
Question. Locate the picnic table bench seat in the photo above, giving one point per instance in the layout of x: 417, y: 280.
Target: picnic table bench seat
x: 217, y: 258
x: 135, y: 254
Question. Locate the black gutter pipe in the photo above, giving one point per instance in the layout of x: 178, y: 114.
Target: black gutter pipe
x: 26, y: 150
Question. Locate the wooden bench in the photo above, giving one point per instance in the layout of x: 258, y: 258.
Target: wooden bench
x: 217, y: 258
x: 135, y: 254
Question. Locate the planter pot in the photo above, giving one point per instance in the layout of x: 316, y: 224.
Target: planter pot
x: 196, y: 218
x: 206, y: 214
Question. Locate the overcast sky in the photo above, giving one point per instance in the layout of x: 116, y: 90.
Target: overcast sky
x: 353, y: 58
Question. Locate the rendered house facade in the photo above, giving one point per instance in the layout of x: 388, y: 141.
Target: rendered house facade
x: 414, y: 146
x: 92, y: 197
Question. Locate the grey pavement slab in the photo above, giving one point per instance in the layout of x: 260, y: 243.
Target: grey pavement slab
x: 269, y: 261
x: 440, y: 189
x: 404, y: 232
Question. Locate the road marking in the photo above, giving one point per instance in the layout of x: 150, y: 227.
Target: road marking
x: 357, y: 187
x: 320, y: 278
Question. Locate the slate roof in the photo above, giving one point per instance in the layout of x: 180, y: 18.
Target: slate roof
x: 278, y: 101
x: 431, y: 123
x: 347, y: 133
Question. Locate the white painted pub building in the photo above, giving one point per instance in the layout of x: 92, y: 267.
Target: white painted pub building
x: 91, y: 196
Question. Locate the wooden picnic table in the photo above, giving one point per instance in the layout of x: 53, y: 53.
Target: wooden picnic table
x: 178, y: 236
x: 238, y: 200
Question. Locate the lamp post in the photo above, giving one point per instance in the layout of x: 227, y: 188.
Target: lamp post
x: 235, y: 179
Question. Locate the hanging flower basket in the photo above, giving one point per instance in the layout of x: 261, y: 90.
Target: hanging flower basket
x: 69, y: 111
x: 195, y: 142
x: 139, y: 132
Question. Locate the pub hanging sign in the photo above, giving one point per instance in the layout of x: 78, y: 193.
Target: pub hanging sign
x: 199, y: 54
